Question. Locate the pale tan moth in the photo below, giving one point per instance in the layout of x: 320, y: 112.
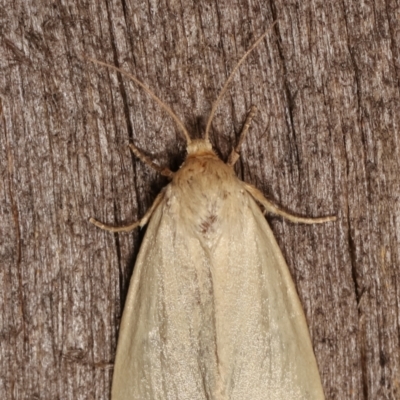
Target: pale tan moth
x: 212, y: 312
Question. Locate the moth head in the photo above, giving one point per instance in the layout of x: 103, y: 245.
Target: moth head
x: 197, y: 146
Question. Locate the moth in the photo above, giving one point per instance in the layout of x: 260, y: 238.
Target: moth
x: 212, y: 312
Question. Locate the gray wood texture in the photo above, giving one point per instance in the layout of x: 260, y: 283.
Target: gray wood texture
x: 325, y: 140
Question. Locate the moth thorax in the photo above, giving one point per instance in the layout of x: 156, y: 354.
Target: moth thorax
x: 199, y: 146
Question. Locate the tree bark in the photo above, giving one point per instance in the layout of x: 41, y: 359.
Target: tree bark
x: 325, y: 141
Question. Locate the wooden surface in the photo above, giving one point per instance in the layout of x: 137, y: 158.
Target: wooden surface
x: 325, y: 140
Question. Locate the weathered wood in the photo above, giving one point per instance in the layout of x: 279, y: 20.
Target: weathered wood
x: 326, y: 82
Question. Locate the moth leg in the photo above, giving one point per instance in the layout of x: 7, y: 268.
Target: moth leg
x: 127, y: 228
x: 234, y: 156
x: 146, y: 160
x: 273, y: 209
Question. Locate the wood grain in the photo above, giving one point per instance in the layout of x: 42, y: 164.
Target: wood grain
x: 326, y: 82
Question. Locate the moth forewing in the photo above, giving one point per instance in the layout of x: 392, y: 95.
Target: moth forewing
x: 212, y: 311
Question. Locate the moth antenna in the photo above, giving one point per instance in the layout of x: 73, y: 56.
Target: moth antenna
x: 228, y: 81
x: 148, y: 91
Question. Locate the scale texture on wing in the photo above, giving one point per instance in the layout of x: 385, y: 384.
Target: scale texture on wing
x: 212, y: 312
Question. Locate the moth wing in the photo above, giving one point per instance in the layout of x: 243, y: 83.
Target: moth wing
x: 165, y: 322
x: 266, y: 351
x: 221, y: 323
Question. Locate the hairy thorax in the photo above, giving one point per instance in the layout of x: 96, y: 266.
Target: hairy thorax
x: 204, y: 193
